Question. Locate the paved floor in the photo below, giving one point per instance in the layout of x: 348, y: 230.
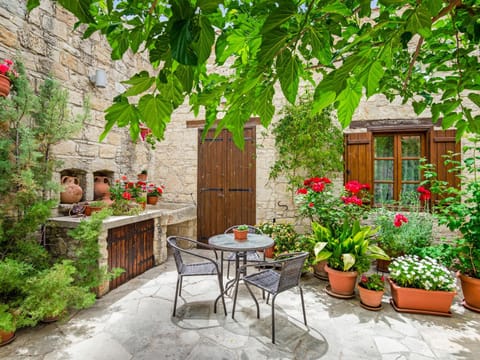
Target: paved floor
x: 134, y: 322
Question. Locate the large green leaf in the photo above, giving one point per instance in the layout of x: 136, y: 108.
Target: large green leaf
x: 420, y: 21
x: 347, y: 102
x: 206, y: 39
x: 120, y: 113
x: 181, y: 41
x: 264, y: 105
x: 375, y: 74
x: 281, y: 13
x: 287, y: 68
x: 155, y: 113
x: 272, y: 43
x: 81, y: 9
x: 140, y: 82
x: 337, y: 7
x: 475, y: 98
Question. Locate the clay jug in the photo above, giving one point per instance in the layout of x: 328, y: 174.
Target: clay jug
x: 72, y: 192
x: 101, y: 186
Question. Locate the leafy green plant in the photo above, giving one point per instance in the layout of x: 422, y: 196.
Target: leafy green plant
x: 89, y: 274
x: 242, y: 227
x: 7, y: 321
x: 459, y: 208
x: 52, y: 292
x: 349, y: 251
x: 306, y: 143
x: 372, y: 282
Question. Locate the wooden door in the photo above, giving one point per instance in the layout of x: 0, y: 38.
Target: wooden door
x: 226, y: 183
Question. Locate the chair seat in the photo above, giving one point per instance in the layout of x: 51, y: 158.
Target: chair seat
x: 199, y: 269
x: 266, y: 280
x: 251, y: 256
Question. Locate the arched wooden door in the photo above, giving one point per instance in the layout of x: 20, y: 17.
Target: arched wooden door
x: 226, y: 193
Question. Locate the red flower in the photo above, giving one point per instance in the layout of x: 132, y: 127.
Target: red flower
x: 364, y: 278
x: 399, y: 219
x: 302, y: 191
x: 424, y: 193
x: 352, y: 200
x: 311, y: 205
x: 353, y: 186
x: 318, y: 186
x: 325, y: 180
x: 127, y: 196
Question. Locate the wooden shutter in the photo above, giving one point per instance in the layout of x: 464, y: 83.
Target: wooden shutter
x: 358, y: 164
x: 441, y: 143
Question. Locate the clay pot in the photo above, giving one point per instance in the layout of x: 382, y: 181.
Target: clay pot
x: 152, y: 200
x: 101, y: 186
x: 342, y: 282
x: 269, y: 251
x: 142, y: 177
x: 421, y: 301
x: 4, y: 85
x: 6, y: 337
x: 471, y: 292
x: 240, y: 234
x: 72, y: 192
x: 370, y: 298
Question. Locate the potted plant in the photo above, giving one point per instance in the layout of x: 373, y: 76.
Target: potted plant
x: 371, y: 288
x: 142, y: 201
x: 240, y: 232
x: 143, y: 175
x: 348, y: 253
x: 153, y: 193
x: 7, y: 74
x: 402, y: 232
x: 421, y: 285
x: 7, y: 325
x: 459, y: 210
x: 94, y: 206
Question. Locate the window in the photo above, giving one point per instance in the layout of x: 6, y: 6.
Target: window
x: 396, y: 160
x: 389, y: 158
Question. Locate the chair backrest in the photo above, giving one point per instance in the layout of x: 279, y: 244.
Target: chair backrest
x: 251, y: 230
x: 291, y: 271
x: 172, y: 241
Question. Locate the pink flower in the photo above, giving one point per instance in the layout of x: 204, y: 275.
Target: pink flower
x: 399, y: 219
x: 124, y: 177
x: 364, y: 278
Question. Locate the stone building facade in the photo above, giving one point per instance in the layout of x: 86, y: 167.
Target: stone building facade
x: 47, y: 43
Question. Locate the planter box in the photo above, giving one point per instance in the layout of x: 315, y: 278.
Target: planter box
x: 421, y: 301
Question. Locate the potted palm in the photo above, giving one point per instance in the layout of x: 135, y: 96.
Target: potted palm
x: 348, y: 253
x: 421, y: 285
x: 459, y: 210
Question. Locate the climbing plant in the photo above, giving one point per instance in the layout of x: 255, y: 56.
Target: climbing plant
x: 306, y: 143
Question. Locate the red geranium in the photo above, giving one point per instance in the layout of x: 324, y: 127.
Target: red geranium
x: 425, y: 194
x: 399, y: 219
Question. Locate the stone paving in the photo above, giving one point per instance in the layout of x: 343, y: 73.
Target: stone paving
x: 133, y: 322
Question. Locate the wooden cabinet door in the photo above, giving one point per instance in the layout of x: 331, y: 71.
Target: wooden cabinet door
x: 226, y: 183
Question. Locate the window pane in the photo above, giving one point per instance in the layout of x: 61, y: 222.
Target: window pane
x: 383, y: 193
x: 383, y: 146
x: 410, y: 146
x: 383, y: 170
x: 411, y: 170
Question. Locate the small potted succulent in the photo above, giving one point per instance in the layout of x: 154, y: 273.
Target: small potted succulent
x: 371, y: 288
x: 240, y: 232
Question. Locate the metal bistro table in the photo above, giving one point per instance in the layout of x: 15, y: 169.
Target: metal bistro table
x: 226, y: 242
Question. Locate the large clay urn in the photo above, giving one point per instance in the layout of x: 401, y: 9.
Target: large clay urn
x: 72, y: 191
x: 101, y: 186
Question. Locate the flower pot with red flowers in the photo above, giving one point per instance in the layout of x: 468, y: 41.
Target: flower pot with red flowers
x: 153, y: 193
x: 348, y: 253
x: 371, y: 289
x: 421, y: 286
x: 7, y: 73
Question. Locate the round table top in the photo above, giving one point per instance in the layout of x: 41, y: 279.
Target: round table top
x: 228, y: 242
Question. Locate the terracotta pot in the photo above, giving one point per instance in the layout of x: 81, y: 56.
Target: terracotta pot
x: 319, y: 269
x: 152, y: 200
x: 269, y: 251
x: 6, y: 337
x: 101, y: 186
x: 240, y: 234
x: 342, y: 282
x: 371, y: 298
x: 72, y: 192
x: 382, y: 265
x: 420, y: 300
x: 4, y: 85
x: 471, y: 291
x: 142, y: 177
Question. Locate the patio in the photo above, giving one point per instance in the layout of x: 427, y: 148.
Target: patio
x: 134, y: 322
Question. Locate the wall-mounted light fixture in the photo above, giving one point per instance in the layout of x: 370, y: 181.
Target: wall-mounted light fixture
x: 99, y: 79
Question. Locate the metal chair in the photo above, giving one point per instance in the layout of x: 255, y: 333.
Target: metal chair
x: 252, y: 256
x: 205, y: 268
x: 275, y: 281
